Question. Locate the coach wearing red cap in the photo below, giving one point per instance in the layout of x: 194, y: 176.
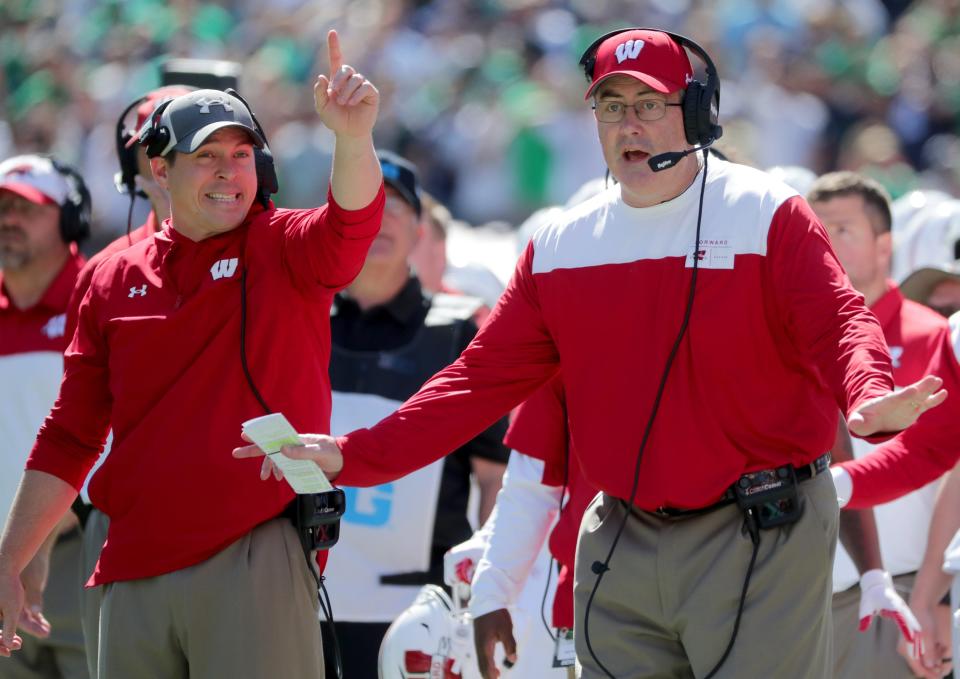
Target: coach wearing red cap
x: 44, y: 214
x: 706, y: 336
x: 180, y: 338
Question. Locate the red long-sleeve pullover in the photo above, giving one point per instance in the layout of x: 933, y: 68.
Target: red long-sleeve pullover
x: 156, y: 355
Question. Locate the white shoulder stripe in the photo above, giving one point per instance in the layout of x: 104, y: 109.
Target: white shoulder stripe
x: 738, y: 207
x: 955, y: 334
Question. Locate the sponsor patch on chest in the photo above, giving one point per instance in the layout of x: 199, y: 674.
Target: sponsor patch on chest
x: 711, y: 254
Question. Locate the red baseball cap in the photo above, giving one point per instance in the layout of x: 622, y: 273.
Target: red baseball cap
x: 150, y: 102
x: 652, y: 57
x: 34, y: 178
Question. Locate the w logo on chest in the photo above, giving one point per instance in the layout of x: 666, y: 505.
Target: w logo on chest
x: 224, y: 268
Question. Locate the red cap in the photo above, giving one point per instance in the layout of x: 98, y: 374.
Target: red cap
x: 150, y: 102
x: 652, y: 57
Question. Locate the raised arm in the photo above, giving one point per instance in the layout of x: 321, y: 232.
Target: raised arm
x: 347, y: 104
x: 327, y: 246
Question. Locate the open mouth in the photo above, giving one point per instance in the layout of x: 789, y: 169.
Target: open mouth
x: 635, y: 156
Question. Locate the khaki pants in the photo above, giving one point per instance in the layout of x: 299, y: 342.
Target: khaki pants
x: 667, y: 606
x: 94, y: 535
x: 249, y: 611
x: 61, y: 655
x: 872, y: 653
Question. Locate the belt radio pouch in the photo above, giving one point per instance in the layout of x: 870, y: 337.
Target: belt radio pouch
x: 769, y: 498
x: 316, y: 516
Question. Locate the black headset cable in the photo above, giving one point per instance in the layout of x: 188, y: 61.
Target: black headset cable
x: 323, y: 597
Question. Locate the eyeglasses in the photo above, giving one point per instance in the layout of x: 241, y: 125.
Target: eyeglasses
x: 646, y: 109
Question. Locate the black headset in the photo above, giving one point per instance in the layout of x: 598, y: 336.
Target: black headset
x: 156, y: 137
x: 127, y: 156
x: 76, y: 209
x: 701, y: 102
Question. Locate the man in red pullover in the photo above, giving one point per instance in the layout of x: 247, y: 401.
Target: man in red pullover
x: 706, y: 336
x: 133, y: 178
x: 180, y: 338
x: 44, y: 215
x: 855, y: 211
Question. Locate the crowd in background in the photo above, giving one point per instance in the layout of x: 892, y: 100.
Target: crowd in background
x: 485, y: 95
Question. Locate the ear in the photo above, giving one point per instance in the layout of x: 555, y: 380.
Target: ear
x: 885, y: 248
x: 160, y: 171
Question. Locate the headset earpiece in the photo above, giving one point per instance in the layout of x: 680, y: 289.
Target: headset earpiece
x: 75, y: 212
x: 156, y: 137
x: 267, y: 183
x: 127, y: 154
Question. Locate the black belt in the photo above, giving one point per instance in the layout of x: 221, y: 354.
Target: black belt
x: 82, y: 510
x: 804, y: 473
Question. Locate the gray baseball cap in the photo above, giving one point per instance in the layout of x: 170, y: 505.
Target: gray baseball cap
x: 191, y: 118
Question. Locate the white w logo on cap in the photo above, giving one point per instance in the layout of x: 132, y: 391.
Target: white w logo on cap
x: 628, y: 50
x: 205, y: 104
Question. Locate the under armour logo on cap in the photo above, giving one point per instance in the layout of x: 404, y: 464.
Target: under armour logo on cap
x: 206, y: 102
x: 191, y: 118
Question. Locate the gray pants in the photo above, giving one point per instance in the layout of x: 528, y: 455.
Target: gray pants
x: 249, y: 611
x: 61, y: 655
x: 94, y: 535
x: 667, y: 606
x: 872, y: 653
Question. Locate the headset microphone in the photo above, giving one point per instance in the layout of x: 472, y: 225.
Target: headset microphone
x: 664, y: 161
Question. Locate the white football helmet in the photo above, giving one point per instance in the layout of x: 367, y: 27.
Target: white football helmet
x: 430, y: 640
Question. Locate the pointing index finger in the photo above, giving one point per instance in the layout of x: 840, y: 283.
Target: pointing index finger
x: 333, y: 52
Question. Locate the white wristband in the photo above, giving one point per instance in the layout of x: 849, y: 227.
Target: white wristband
x: 843, y: 484
x: 874, y: 577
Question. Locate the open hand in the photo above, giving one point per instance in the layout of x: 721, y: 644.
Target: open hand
x: 897, y: 410
x: 878, y: 597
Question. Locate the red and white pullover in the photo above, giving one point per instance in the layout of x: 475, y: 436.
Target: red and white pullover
x: 925, y: 451
x: 778, y: 340
x: 31, y: 366
x: 156, y: 355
